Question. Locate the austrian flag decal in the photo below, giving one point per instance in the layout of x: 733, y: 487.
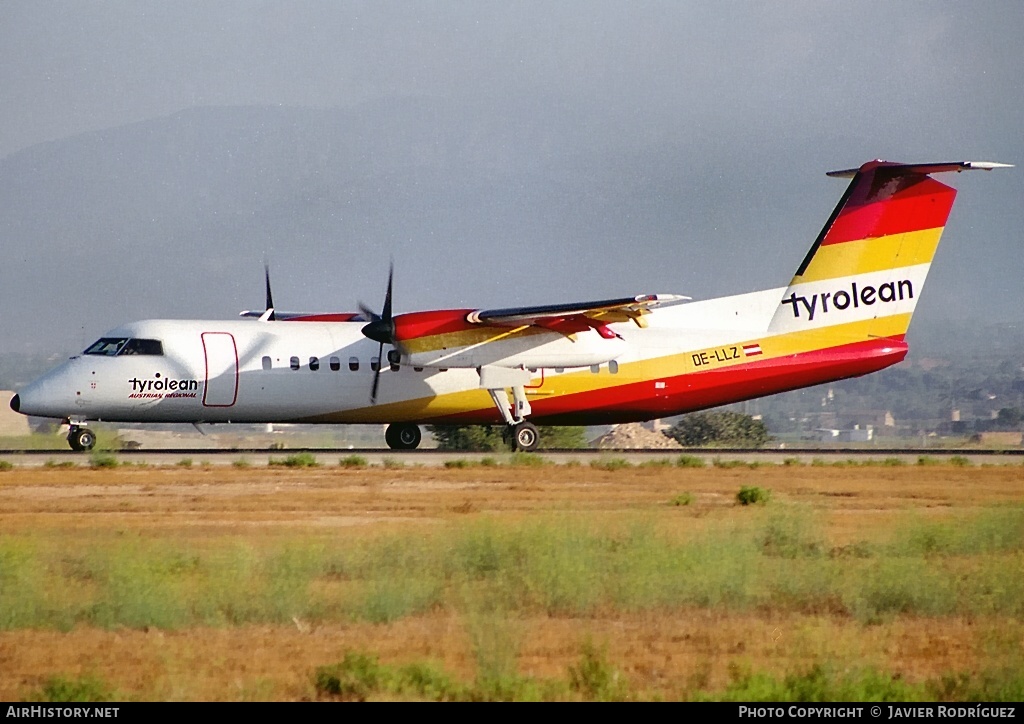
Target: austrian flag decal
x: 751, y: 350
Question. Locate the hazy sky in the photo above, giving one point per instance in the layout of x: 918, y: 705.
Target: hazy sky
x: 758, y: 92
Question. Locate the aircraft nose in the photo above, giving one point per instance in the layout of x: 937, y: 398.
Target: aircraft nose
x: 16, y: 403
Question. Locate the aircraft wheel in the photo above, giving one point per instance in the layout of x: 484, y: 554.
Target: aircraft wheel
x: 81, y: 439
x: 525, y: 437
x: 403, y: 436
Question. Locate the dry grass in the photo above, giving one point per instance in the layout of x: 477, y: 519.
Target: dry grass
x: 664, y: 653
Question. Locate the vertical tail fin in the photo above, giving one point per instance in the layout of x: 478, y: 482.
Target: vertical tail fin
x: 865, y: 272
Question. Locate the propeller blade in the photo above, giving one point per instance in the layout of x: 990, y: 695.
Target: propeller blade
x: 387, y: 297
x: 270, y: 297
x: 381, y: 329
x: 376, y: 374
x: 368, y: 313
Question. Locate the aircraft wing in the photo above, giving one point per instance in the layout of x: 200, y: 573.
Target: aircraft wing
x: 576, y: 317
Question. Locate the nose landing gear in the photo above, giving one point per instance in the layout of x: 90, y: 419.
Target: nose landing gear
x: 81, y: 439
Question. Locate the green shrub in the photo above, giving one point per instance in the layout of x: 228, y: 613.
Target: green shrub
x: 353, y: 461
x: 62, y: 690
x: 526, y: 460
x: 728, y: 464
x: 103, y: 460
x: 61, y: 464
x: 719, y: 428
x: 751, y: 494
x: 354, y: 679
x: 241, y: 463
x: 459, y: 463
x: 297, y: 460
x: 185, y: 463
x: 818, y: 684
x: 6, y: 465
x: 392, y: 463
x: 428, y: 682
x: 928, y: 460
x: 611, y: 464
x: 690, y: 461
x: 682, y: 499
x: 658, y: 463
x: 595, y: 679
x: 960, y: 461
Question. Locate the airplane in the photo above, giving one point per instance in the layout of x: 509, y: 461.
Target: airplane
x: 844, y: 314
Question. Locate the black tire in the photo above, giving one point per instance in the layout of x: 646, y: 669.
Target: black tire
x: 525, y: 437
x: 81, y: 439
x: 403, y: 436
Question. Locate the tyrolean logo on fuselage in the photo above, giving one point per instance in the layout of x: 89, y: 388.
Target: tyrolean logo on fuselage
x: 159, y: 388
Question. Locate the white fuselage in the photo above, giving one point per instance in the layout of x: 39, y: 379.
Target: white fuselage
x: 246, y: 370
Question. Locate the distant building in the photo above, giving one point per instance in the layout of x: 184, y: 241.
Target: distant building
x: 868, y: 418
x: 857, y: 434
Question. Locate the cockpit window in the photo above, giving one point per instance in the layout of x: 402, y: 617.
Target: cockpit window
x: 143, y: 346
x: 112, y: 346
x: 107, y: 346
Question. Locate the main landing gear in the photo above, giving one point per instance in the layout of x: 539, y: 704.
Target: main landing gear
x: 81, y: 439
x: 521, y: 435
x: 403, y: 436
x: 524, y: 436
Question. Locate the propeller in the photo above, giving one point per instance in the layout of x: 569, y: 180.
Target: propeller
x: 381, y: 329
x: 268, y: 315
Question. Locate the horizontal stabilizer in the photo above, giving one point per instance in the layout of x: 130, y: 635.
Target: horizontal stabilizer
x: 920, y: 168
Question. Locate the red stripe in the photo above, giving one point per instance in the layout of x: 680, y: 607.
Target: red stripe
x: 639, y: 401
x: 881, y: 205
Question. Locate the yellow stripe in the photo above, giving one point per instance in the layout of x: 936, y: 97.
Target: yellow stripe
x: 783, y: 345
x: 870, y: 255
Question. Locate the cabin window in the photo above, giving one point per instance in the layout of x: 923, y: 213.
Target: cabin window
x: 267, y: 363
x: 353, y: 364
x: 314, y: 364
x: 335, y: 364
x: 417, y: 369
x: 613, y: 367
x: 375, y: 363
x: 595, y: 368
x: 294, y: 363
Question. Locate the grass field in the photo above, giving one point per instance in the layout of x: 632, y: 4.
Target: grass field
x: 513, y: 581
